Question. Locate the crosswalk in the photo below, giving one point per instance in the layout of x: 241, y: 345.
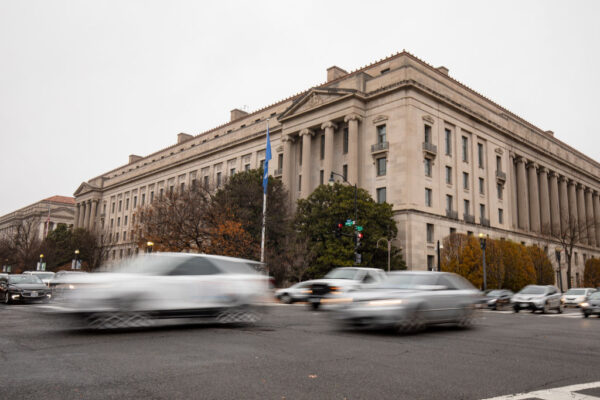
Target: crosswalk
x: 584, y: 391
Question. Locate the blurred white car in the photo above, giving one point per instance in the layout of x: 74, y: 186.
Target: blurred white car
x: 45, y: 276
x: 574, y: 297
x: 298, y: 292
x: 163, y: 286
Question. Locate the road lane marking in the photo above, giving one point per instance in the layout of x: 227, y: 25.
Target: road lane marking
x: 559, y: 393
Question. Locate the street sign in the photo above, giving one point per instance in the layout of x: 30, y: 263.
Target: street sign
x: 358, y: 257
x: 349, y: 222
x: 359, y: 228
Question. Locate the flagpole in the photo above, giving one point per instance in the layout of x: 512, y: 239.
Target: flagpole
x: 264, y: 216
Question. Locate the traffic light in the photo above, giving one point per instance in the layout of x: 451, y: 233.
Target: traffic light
x: 338, y: 230
x: 359, y: 236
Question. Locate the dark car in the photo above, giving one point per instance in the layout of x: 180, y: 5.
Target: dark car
x: 23, y: 288
x: 592, y: 305
x: 498, y: 298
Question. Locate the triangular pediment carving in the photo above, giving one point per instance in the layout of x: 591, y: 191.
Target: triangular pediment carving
x: 85, y: 188
x: 314, y: 99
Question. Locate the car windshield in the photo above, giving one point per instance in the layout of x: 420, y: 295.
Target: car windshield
x: 495, y: 293
x: 17, y: 279
x: 342, y: 273
x: 45, y: 275
x: 595, y: 296
x: 235, y: 267
x: 533, y: 290
x: 409, y: 281
x: 575, y: 292
x: 150, y: 264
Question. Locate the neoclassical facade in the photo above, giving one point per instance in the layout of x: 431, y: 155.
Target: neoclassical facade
x: 46, y: 214
x: 447, y: 158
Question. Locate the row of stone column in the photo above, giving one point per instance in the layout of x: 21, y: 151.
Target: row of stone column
x: 306, y: 136
x: 551, y: 203
x: 85, y: 214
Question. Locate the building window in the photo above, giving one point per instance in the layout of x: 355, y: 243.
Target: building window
x: 112, y: 222
x: 151, y: 197
x: 321, y: 174
x: 125, y: 235
x: 160, y: 193
x: 480, y: 154
x: 119, y: 221
x: 112, y: 208
x: 381, y: 195
x: 262, y: 164
x: 182, y: 187
x: 449, y: 201
x: 134, y: 201
x: 125, y: 221
x: 322, y: 147
x: 299, y: 182
x: 465, y: 149
x: 428, y: 197
x: 143, y: 198
x: 449, y: 175
x: 345, y: 144
x: 429, y: 233
x: 381, y: 134
x: 430, y: 263
x: 104, y: 208
x: 247, y: 167
x: 500, y: 189
x: 126, y: 204
x: 576, y: 259
x: 381, y: 166
x: 427, y: 163
x: 500, y: 216
x: 171, y: 189
x: 133, y: 219
x: 345, y: 171
x: 219, y: 178
x: 117, y: 237
x: 467, y: 206
x: 121, y: 253
x: 120, y: 205
x: 465, y: 181
x: 482, y: 210
x: 448, y: 141
x: 452, y: 231
x: 280, y: 161
x: 498, y: 163
x: 481, y: 186
x: 232, y: 172
x: 427, y: 134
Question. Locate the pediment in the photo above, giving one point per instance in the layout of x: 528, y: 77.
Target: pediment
x: 315, y: 98
x: 85, y: 188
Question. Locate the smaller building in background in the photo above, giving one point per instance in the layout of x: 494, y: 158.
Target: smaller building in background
x: 43, y: 216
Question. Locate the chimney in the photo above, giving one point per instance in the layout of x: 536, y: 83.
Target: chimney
x: 237, y: 114
x: 443, y: 70
x: 182, y: 137
x: 334, y: 73
x: 133, y: 158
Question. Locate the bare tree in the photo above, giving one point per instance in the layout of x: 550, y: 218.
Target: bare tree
x: 24, y: 241
x: 293, y: 262
x: 572, y: 232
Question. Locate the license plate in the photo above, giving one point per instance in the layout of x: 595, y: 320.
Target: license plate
x: 524, y: 305
x: 33, y: 294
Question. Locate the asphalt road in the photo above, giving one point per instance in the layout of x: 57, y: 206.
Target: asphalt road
x: 296, y: 354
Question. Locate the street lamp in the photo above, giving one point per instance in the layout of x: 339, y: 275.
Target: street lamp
x: 389, y: 248
x: 149, y: 246
x: 439, y: 248
x: 331, y: 181
x: 482, y: 242
x: 558, y: 271
x: 75, y: 265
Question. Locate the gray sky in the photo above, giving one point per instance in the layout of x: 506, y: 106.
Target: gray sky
x: 83, y: 84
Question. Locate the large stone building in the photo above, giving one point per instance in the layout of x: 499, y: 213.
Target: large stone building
x: 446, y: 157
x: 45, y: 215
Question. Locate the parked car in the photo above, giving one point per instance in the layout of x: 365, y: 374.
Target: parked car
x: 409, y: 301
x: 343, y: 279
x: 45, y: 276
x: 592, y: 305
x: 575, y: 296
x: 499, y: 298
x: 297, y: 292
x: 535, y: 297
x: 23, y: 288
x: 174, y: 286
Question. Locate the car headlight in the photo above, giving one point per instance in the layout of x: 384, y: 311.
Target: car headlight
x: 562, y: 300
x: 383, y: 303
x: 584, y: 304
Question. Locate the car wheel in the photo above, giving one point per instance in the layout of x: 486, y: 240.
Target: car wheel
x: 560, y: 309
x: 545, y: 309
x: 586, y: 315
x: 516, y: 309
x: 466, y: 319
x: 314, y: 306
x: 286, y: 298
x: 411, y: 323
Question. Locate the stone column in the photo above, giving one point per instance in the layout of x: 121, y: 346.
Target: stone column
x: 583, y: 238
x: 544, y: 202
x: 93, y: 214
x: 287, y: 163
x: 330, y: 129
x: 81, y: 215
x: 512, y: 184
x: 352, y: 120
x: 306, y: 135
x: 572, y: 205
x: 596, y: 201
x: 589, y: 213
x: 554, y: 204
x: 86, y: 218
x: 522, y: 194
x: 564, y: 203
x: 77, y: 210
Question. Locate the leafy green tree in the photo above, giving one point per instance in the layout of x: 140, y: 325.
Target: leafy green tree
x: 542, y: 266
x: 318, y: 215
x: 58, y: 247
x: 591, y: 273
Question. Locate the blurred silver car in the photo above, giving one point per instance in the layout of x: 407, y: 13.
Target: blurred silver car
x: 409, y: 301
x: 536, y: 297
x: 297, y: 292
x: 168, y: 286
x: 591, y: 306
x: 575, y: 296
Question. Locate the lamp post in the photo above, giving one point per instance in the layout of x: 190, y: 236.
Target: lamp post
x: 439, y: 257
x: 482, y: 242
x: 75, y: 265
x: 558, y: 271
x: 389, y: 249
x: 331, y: 181
x: 149, y: 246
x: 41, y: 267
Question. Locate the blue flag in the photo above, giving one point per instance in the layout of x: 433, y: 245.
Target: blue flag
x: 266, y: 164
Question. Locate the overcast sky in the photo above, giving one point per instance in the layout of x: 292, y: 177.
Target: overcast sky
x: 83, y: 84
